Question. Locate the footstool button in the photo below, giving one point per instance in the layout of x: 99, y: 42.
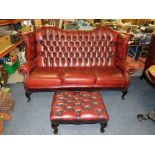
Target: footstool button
x: 98, y: 111
x: 94, y: 97
x: 69, y: 108
x: 69, y: 101
x: 85, y: 100
x: 59, y: 112
x: 76, y: 98
x: 61, y: 98
x: 84, y: 95
x: 95, y: 103
x: 87, y: 107
x: 60, y: 104
x: 77, y: 104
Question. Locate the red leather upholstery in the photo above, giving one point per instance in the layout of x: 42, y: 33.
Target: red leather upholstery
x: 79, y: 76
x: 44, y: 78
x: 60, y: 48
x: 124, y: 66
x: 59, y: 58
x: 29, y: 39
x: 28, y: 67
x: 109, y: 76
x: 78, y: 107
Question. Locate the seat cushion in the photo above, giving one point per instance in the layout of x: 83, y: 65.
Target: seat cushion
x: 45, y: 78
x: 82, y: 76
x: 109, y: 76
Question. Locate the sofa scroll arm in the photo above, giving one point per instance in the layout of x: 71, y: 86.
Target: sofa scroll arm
x: 125, y: 67
x: 27, y: 67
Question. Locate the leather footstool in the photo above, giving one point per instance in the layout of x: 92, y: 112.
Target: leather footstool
x: 78, y: 107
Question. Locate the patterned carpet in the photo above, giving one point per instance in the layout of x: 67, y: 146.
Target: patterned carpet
x: 33, y: 118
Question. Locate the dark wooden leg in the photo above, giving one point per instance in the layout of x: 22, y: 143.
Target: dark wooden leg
x: 27, y: 94
x: 124, y: 93
x: 55, y: 127
x: 103, y: 126
x: 142, y: 76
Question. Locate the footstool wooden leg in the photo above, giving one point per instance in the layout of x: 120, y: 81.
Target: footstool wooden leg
x: 28, y: 94
x: 124, y: 93
x: 103, y: 126
x: 55, y: 127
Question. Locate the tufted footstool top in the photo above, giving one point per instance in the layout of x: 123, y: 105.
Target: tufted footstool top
x: 78, y: 106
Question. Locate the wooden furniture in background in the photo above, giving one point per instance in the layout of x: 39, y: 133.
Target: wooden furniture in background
x: 10, y: 21
x: 3, y: 76
x: 136, y: 21
x: 9, y: 48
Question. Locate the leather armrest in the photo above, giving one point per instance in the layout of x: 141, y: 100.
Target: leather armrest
x: 126, y: 67
x: 27, y: 67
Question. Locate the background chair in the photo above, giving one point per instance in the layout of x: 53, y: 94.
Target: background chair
x: 149, y: 75
x: 150, y: 60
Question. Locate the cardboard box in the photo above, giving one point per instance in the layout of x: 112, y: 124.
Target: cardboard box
x: 37, y: 22
x: 26, y: 29
x: 5, y: 41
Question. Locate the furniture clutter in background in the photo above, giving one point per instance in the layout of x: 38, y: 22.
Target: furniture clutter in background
x: 11, y: 49
x: 6, y: 105
x: 139, y: 45
x: 150, y: 60
x: 61, y: 59
x: 11, y: 45
x: 149, y: 74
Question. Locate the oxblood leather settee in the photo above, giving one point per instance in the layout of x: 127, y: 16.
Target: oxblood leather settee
x: 67, y: 59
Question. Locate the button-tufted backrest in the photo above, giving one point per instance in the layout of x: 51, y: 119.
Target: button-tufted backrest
x: 67, y: 48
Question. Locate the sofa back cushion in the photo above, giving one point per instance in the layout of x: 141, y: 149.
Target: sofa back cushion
x: 67, y: 48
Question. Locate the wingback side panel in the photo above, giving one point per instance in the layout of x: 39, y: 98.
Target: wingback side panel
x: 66, y: 48
x: 30, y: 45
x: 122, y: 46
